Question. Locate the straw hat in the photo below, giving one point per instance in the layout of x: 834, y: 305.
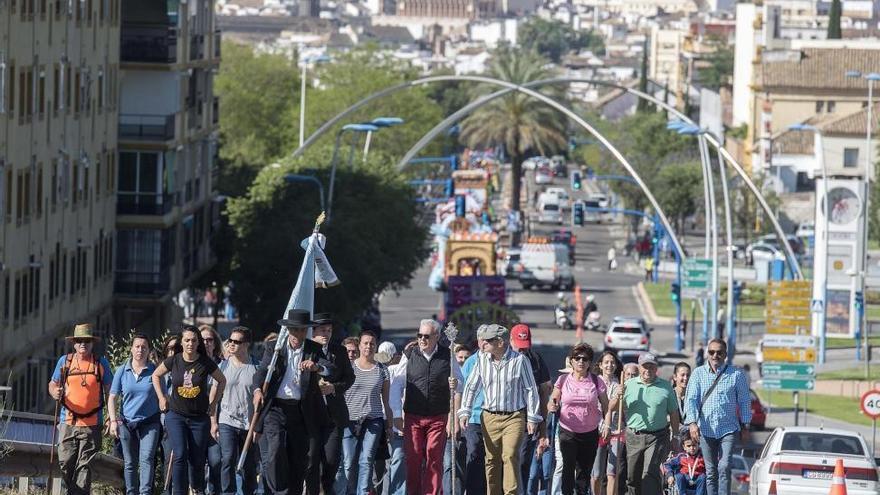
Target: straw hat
x: 84, y: 331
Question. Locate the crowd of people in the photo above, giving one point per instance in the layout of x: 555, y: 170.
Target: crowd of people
x: 359, y: 417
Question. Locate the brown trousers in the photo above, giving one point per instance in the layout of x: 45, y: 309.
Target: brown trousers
x: 503, y: 435
x: 76, y: 449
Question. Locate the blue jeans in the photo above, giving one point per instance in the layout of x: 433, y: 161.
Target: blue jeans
x: 683, y: 484
x: 475, y: 469
x: 231, y: 442
x: 541, y: 474
x: 716, y: 454
x: 189, y: 443
x: 363, y: 448
x: 397, y: 470
x: 460, y: 463
x: 214, y: 458
x: 139, y: 442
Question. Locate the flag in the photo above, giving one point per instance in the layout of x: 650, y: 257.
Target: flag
x: 315, y: 272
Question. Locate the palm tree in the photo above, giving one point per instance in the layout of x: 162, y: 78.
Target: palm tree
x: 517, y: 121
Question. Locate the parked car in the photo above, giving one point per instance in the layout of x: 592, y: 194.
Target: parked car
x: 534, y: 162
x: 561, y: 196
x: 560, y: 169
x: 545, y: 265
x: 759, y: 412
x: 510, y: 263
x: 801, y: 459
x: 740, y: 466
x: 760, y: 251
x: 543, y: 175
x: 805, y: 229
x: 627, y: 332
x: 550, y: 213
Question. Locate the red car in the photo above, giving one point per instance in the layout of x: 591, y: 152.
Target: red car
x: 759, y: 412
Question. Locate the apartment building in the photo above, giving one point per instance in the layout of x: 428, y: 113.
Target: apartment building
x: 58, y: 123
x: 167, y: 208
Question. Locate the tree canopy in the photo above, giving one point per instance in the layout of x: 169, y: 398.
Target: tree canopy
x: 553, y: 39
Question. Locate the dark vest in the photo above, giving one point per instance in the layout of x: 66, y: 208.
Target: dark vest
x: 427, y: 383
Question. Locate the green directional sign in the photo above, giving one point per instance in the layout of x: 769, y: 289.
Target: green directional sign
x: 804, y: 384
x: 788, y: 370
x: 696, y: 277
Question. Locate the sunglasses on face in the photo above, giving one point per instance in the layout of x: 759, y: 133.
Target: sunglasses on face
x: 236, y: 342
x: 716, y: 353
x: 425, y: 336
x: 82, y: 341
x: 581, y: 358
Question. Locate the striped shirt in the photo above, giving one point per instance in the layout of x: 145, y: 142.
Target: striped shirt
x: 726, y: 407
x: 508, y: 385
x: 364, y: 397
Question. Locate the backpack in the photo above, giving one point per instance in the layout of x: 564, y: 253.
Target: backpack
x: 99, y: 376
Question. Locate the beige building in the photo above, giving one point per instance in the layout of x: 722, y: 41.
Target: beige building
x: 166, y: 204
x: 58, y: 115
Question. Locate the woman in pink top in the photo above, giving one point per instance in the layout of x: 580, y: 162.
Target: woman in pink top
x: 581, y: 401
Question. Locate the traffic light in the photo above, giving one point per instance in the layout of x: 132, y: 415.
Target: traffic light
x: 655, y: 236
x: 576, y: 181
x: 577, y: 213
x: 675, y: 292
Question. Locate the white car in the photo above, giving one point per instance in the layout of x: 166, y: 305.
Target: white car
x: 543, y: 175
x: 561, y: 196
x: 629, y: 333
x: 550, y: 213
x: 801, y: 460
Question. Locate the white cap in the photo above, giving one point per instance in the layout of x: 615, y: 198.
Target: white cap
x: 387, y: 350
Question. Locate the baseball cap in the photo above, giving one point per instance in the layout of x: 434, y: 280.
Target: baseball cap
x: 647, y: 358
x: 521, y: 336
x: 491, y: 331
x: 387, y: 350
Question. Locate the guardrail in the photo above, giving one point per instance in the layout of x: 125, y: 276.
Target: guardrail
x: 29, y: 462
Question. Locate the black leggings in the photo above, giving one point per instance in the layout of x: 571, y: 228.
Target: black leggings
x: 578, y: 450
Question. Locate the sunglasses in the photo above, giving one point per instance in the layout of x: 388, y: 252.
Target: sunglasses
x: 82, y: 341
x: 716, y: 353
x: 236, y: 342
x: 424, y: 336
x: 581, y: 358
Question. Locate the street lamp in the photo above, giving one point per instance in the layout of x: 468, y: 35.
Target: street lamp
x: 309, y: 179
x: 334, y: 160
x: 380, y: 122
x: 823, y: 291
x: 302, y: 93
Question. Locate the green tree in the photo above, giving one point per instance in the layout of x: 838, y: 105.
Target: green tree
x: 519, y: 122
x: 679, y: 187
x: 644, y: 105
x: 834, y: 32
x: 258, y: 97
x: 720, y: 69
x: 553, y: 39
x: 374, y: 241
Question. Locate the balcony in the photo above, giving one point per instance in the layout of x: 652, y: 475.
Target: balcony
x: 146, y: 127
x: 149, y: 43
x: 143, y: 203
x: 142, y: 283
x: 218, y: 39
x: 196, y: 47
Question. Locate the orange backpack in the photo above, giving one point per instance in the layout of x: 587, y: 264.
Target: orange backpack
x: 95, y: 368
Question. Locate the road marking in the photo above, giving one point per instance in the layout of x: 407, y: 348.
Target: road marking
x: 595, y: 269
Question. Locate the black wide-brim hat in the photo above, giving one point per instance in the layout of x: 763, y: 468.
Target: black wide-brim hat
x: 323, y: 319
x: 297, y: 318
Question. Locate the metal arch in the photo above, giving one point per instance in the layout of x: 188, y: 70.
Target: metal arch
x: 727, y: 156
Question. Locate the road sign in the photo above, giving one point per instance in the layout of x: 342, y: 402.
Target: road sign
x: 696, y: 280
x: 797, y: 341
x: 870, y: 404
x: 817, y: 306
x: 788, y: 370
x: 788, y: 307
x: 789, y: 355
x: 788, y: 384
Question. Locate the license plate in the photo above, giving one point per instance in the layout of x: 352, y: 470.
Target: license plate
x: 817, y: 475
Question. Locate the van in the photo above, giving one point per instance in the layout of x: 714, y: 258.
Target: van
x: 549, y: 210
x: 545, y: 264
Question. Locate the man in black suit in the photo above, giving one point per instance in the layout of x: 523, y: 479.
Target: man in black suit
x: 333, y: 388
x: 294, y: 411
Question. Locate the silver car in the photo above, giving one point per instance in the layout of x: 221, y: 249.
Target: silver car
x: 629, y: 333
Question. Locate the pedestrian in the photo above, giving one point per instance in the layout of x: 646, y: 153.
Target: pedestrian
x: 190, y: 409
x: 608, y: 368
x: 475, y: 460
x: 580, y: 399
x: 521, y: 341
x: 462, y: 353
x: 649, y: 269
x: 612, y: 258
x: 333, y: 389
x: 510, y: 408
x: 168, y: 350
x: 683, y: 328
x: 718, y: 411
x: 687, y: 470
x: 351, y: 345
x: 138, y: 427
x: 368, y: 414
x: 387, y: 355
x: 650, y: 407
x: 681, y: 374
x: 699, y: 356
x: 79, y: 383
x: 214, y: 350
x: 293, y: 412
x: 430, y: 370
x: 397, y: 464
x: 236, y: 410
x: 229, y: 310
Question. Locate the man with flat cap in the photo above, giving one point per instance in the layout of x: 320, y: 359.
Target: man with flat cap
x: 333, y: 389
x: 510, y: 407
x: 294, y: 411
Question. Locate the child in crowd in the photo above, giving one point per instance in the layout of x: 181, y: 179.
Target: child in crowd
x: 687, y: 471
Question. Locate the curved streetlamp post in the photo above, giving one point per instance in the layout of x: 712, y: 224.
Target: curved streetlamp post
x: 335, y: 159
x: 380, y: 122
x: 311, y: 180
x: 302, y: 92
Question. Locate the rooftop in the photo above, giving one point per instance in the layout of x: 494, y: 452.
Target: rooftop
x: 816, y: 68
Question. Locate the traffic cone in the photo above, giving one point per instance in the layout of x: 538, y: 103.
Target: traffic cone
x: 772, y: 490
x: 838, y: 480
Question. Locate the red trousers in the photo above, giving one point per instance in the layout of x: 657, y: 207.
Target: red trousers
x: 424, y: 441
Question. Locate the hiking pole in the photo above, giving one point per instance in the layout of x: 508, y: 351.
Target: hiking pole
x: 167, y: 485
x: 619, y: 441
x: 248, y: 440
x: 451, y: 333
x: 49, y: 482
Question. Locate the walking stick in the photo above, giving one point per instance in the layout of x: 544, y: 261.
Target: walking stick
x: 451, y: 333
x: 167, y: 485
x: 619, y: 441
x: 49, y: 481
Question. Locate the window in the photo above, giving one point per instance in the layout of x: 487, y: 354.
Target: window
x: 140, y: 183
x: 850, y: 157
x: 100, y: 90
x: 54, y: 185
x: 30, y: 92
x: 65, y: 74
x: 9, y: 186
x: 6, y: 297
x: 77, y: 89
x: 22, y: 92
x: 56, y: 88
x: 17, y: 300
x: 98, y: 178
x: 39, y: 190
x: 820, y: 106
x: 27, y: 196
x: 2, y: 82
x: 830, y: 105
x: 11, y: 89
x: 64, y: 274
x: 19, y: 197
x: 75, y: 192
x: 41, y: 93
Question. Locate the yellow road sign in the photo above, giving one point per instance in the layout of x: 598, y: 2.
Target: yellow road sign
x: 788, y: 355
